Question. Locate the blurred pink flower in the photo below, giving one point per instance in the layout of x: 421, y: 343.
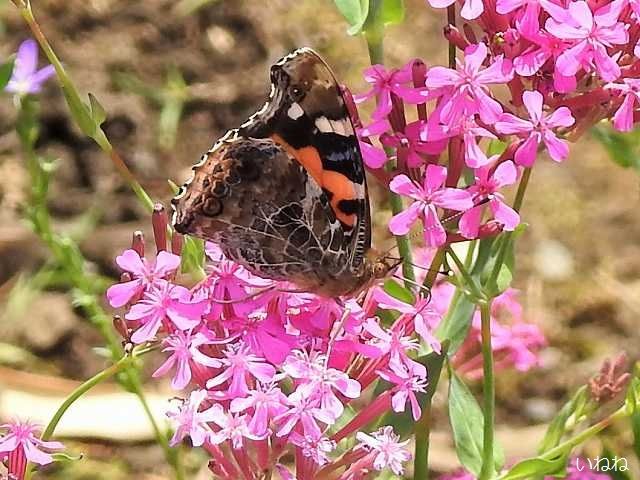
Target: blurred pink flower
x: 233, y: 428
x: 630, y: 88
x: 428, y: 197
x: 26, y: 78
x: 471, y: 9
x: 21, y: 441
x: 266, y: 402
x: 190, y: 422
x: 538, y: 129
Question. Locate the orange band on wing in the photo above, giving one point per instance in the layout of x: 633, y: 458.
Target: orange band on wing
x: 307, y: 156
x: 341, y: 188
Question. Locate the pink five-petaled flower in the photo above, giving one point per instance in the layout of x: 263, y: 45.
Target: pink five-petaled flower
x: 144, y: 275
x: 428, y: 197
x: 190, y: 422
x: 486, y: 188
x: 233, y: 428
x: 593, y: 33
x: 470, y: 10
x: 630, y: 88
x: 539, y: 128
x: 386, y: 82
x: 425, y: 318
x: 465, y: 89
x: 314, y: 448
x: 162, y: 302
x: 407, y: 384
x: 239, y: 365
x: 185, y: 356
x: 319, y: 381
x: 388, y: 451
x: 391, y: 342
x: 26, y: 78
x: 267, y: 402
x: 21, y: 442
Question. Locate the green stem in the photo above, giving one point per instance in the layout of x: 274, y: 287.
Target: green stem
x: 468, y: 279
x: 421, y: 436
x: 488, y: 393
x: 504, y: 248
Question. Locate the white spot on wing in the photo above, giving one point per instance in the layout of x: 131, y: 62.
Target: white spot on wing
x: 295, y: 111
x: 324, y: 125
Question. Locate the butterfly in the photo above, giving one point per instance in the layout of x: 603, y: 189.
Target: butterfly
x: 285, y: 194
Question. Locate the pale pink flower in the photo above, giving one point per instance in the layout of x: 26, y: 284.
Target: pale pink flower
x: 239, y: 367
x: 428, y: 197
x: 630, y: 88
x: 538, y: 129
x: 391, y: 341
x: 486, y: 190
x: 267, y: 402
x: 388, y: 450
x: 185, y: 356
x: 233, y: 428
x: 466, y: 90
x: 385, y: 82
x: 529, y: 13
x: 190, y: 422
x: 592, y: 32
x: 22, y: 438
x: 471, y: 9
x: 302, y: 411
x: 406, y: 384
x: 165, y: 302
x: 26, y: 78
x: 144, y: 274
x: 313, y: 447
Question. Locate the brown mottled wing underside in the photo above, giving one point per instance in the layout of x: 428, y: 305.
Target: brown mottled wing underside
x: 260, y: 205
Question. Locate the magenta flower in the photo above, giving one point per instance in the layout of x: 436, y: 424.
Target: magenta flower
x: 468, y: 92
x: 190, y: 422
x: 388, y: 451
x: 267, y: 402
x: 406, y: 384
x: 385, y: 82
x: 410, y: 144
x: 185, y: 356
x: 22, y: 440
x: 428, y: 197
x: 485, y: 188
x: 144, y: 275
x: 630, y: 88
x: 391, y: 341
x: 265, y: 335
x: 538, y: 129
x: 302, y: 411
x: 165, y: 302
x: 471, y: 9
x: 240, y: 366
x: 26, y: 78
x: 530, y: 12
x: 233, y: 428
x: 593, y: 33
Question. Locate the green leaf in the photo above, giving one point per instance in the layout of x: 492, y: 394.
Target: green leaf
x: 467, y: 424
x: 383, y: 13
x: 403, y: 423
x: 530, y: 468
x: 65, y: 457
x: 6, y: 69
x: 98, y: 112
x: 355, y: 12
x: 617, y: 465
x: 192, y: 255
x: 635, y: 427
x: 396, y: 290
x: 632, y: 400
x: 496, y: 147
x: 455, y: 324
x: 80, y: 112
x: 557, y: 427
x: 623, y: 148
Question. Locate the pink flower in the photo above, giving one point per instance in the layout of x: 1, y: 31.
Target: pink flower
x: 428, y: 197
x: 26, y: 78
x: 185, y: 356
x: 391, y: 342
x: 538, y: 129
x: 471, y: 9
x: 265, y: 335
x: 302, y: 410
x: 314, y: 448
x: 240, y: 365
x: 468, y: 93
x: 630, y: 88
x: 593, y: 33
x: 233, y: 428
x: 528, y: 22
x: 385, y: 82
x: 144, y: 275
x: 190, y: 422
x: 161, y: 303
x: 388, y: 450
x: 410, y: 144
x: 22, y: 441
x: 407, y: 384
x: 486, y: 188
x: 267, y: 402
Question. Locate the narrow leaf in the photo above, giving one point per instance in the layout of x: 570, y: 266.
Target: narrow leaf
x: 355, y: 12
x: 456, y: 323
x: 534, y: 467
x: 6, y: 69
x: 98, y: 112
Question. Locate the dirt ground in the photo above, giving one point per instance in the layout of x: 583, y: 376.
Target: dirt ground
x: 579, y: 259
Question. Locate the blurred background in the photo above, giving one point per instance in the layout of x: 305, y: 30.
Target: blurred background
x: 173, y: 76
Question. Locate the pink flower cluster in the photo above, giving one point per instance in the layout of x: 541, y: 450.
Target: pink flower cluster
x: 541, y: 71
x: 271, y: 372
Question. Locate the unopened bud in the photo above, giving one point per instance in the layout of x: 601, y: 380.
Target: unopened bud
x: 160, y: 223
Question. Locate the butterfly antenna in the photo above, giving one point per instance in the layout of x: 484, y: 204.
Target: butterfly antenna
x: 423, y: 288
